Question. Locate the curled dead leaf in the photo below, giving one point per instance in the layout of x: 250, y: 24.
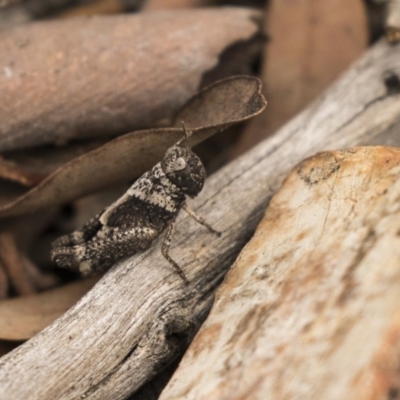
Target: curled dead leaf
x: 10, y: 170
x: 220, y: 105
x: 37, y: 163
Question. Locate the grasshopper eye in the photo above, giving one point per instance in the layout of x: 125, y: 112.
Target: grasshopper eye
x: 179, y: 164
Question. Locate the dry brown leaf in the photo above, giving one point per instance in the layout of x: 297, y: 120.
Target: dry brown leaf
x: 9, y: 170
x: 24, y: 317
x: 19, y: 237
x: 78, y: 78
x: 42, y: 280
x: 43, y: 161
x: 13, y: 265
x: 310, y: 44
x: 27, y: 228
x: 220, y: 105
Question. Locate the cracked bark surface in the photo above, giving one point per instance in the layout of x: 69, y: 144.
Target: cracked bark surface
x: 124, y: 331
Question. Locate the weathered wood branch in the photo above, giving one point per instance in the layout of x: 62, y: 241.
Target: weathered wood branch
x: 138, y: 317
x: 310, y: 309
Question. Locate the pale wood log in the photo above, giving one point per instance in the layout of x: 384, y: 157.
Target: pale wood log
x: 311, y: 308
x: 138, y: 317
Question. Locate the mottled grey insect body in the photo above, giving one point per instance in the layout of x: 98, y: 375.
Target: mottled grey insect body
x: 129, y: 225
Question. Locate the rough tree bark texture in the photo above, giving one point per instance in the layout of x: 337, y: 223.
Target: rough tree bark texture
x: 311, y: 308
x: 137, y: 318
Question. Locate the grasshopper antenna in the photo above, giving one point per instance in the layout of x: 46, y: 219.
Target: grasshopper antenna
x: 187, y: 136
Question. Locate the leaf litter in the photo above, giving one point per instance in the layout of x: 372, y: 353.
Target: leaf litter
x: 215, y: 108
